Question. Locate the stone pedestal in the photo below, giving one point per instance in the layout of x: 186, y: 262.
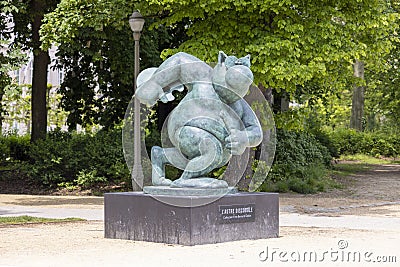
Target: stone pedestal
x: 240, y: 216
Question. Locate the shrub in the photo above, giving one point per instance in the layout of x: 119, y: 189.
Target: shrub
x: 88, y: 178
x: 4, y: 149
x: 84, y: 159
x: 14, y: 147
x: 300, y: 164
x: 350, y: 142
x: 325, y: 139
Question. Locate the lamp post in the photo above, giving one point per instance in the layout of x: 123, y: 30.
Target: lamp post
x: 136, y: 21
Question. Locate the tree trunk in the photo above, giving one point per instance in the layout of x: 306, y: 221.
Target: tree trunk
x: 268, y: 94
x: 279, y: 102
x: 357, y: 104
x: 41, y: 61
x: 284, y: 101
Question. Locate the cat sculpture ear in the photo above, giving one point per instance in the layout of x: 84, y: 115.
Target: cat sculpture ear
x: 221, y: 57
x: 248, y: 58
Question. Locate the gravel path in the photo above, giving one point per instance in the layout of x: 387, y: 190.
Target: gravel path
x: 82, y: 244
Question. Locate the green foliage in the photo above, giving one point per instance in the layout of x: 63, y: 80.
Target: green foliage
x: 96, y: 52
x: 89, y: 178
x: 312, y: 179
x: 99, y: 68
x: 346, y: 169
x: 321, y: 107
x: 70, y: 17
x: 291, y: 120
x: 98, y: 81
x: 324, y: 139
x: 11, y: 58
x: 14, y: 147
x: 306, y: 48
x: 17, y: 104
x: 348, y: 141
x: 26, y: 18
x: 300, y: 164
x: 4, y: 151
x: 291, y: 42
x: 23, y: 14
x: 365, y: 159
x: 81, y: 159
x: 383, y: 95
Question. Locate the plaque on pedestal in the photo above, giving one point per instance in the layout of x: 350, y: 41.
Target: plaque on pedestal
x: 240, y: 216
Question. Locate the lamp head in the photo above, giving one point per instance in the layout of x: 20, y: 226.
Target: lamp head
x: 136, y: 21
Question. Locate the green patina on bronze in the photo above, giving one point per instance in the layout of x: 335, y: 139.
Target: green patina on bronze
x: 209, y: 125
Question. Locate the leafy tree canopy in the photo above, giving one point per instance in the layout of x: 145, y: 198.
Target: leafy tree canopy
x: 17, y: 17
x: 11, y: 56
x: 96, y: 51
x: 383, y: 95
x: 291, y: 41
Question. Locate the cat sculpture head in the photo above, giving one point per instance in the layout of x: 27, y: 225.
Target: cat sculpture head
x: 232, y: 77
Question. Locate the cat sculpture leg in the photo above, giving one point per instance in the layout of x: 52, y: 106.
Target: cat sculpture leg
x: 199, y: 153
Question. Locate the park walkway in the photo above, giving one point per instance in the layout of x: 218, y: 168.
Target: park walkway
x: 91, y: 208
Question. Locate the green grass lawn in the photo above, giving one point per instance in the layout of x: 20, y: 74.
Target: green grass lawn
x: 351, y: 164
x: 345, y: 169
x: 29, y: 219
x: 364, y: 159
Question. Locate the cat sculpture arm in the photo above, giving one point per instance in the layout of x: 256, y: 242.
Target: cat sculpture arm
x: 155, y: 84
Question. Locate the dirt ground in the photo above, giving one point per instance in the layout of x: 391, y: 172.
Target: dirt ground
x: 82, y: 244
x: 370, y: 193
